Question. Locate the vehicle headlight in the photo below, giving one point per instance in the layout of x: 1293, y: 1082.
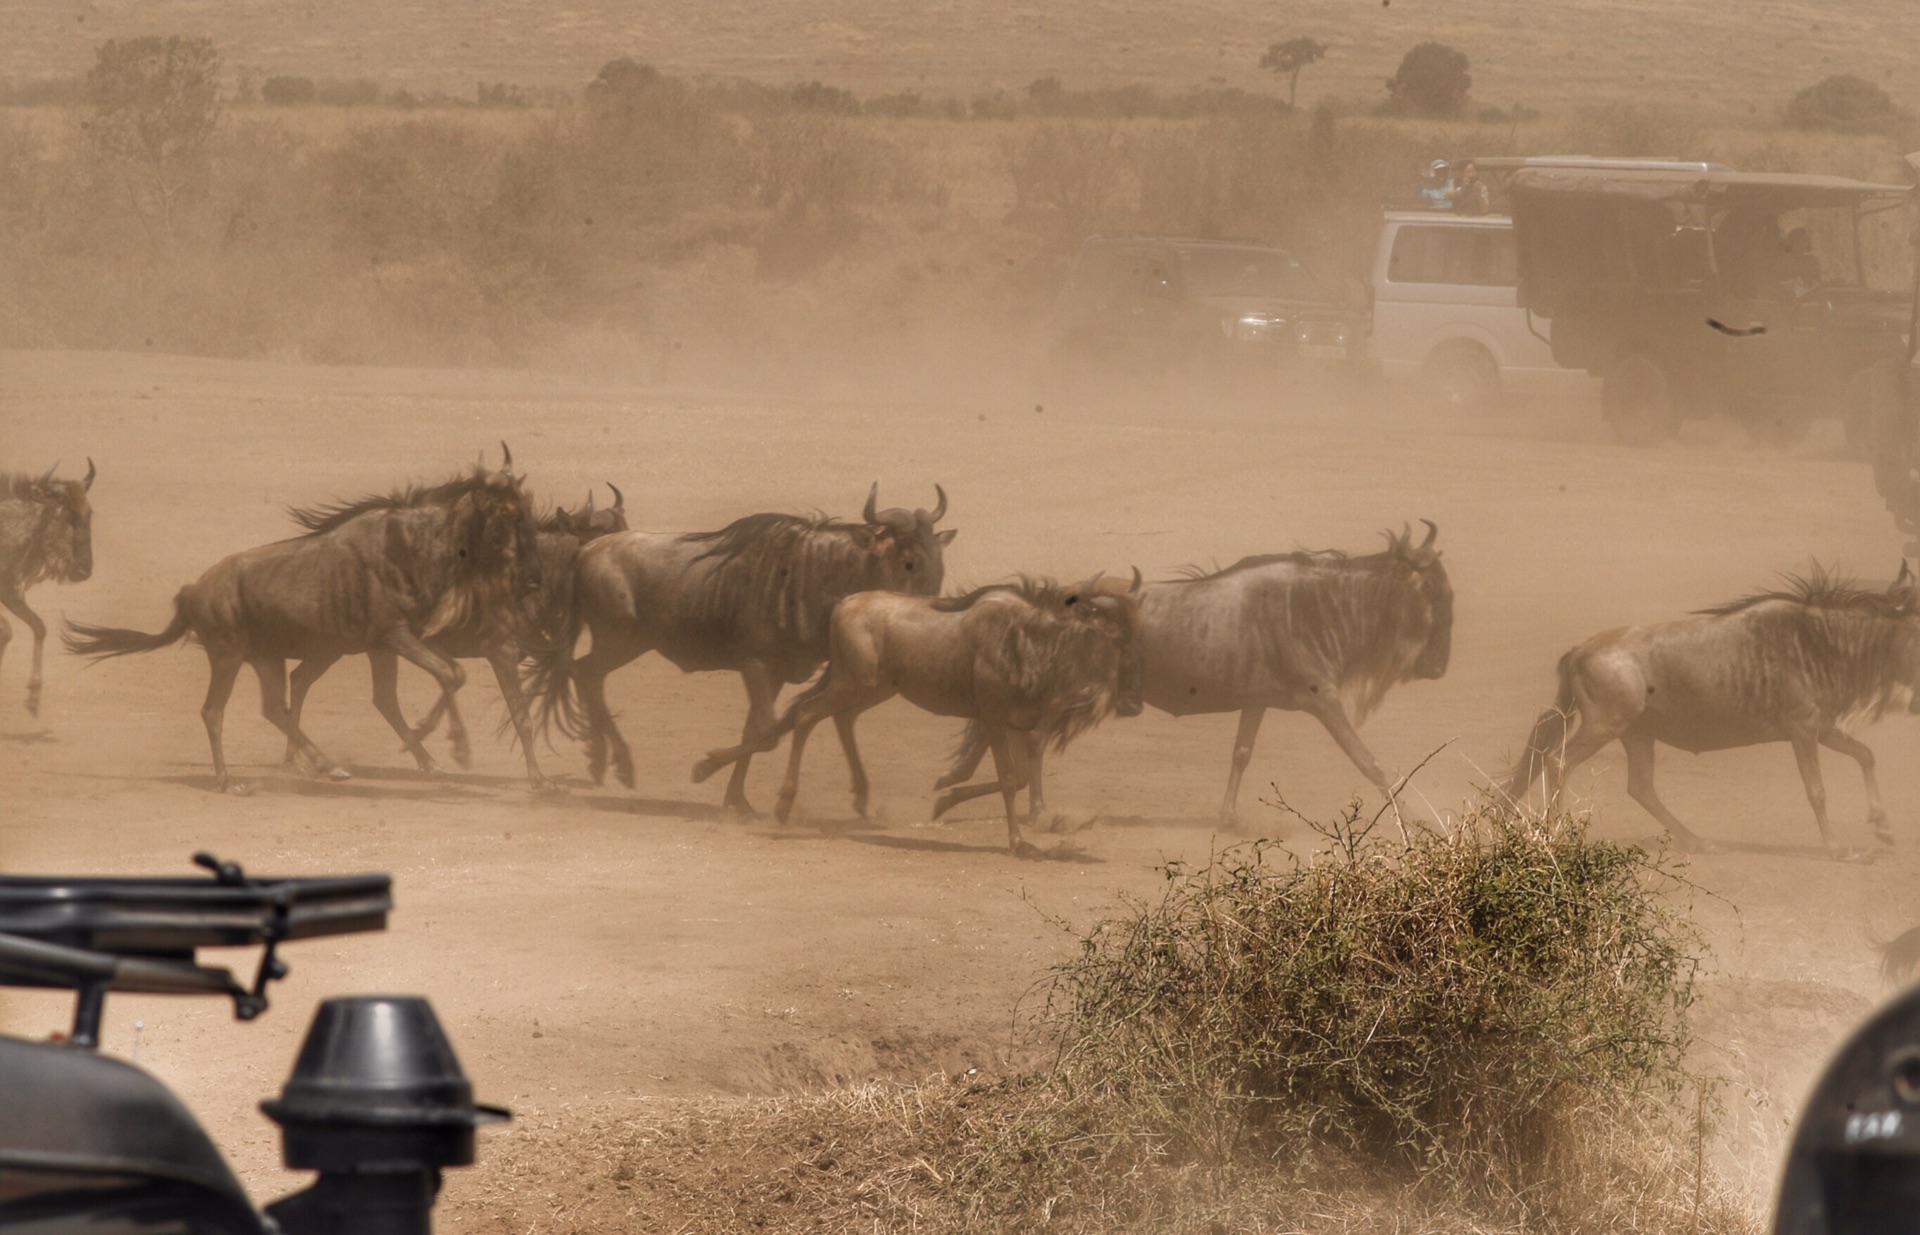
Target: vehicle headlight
x: 1303, y: 332
x: 1340, y: 334
x: 1250, y: 327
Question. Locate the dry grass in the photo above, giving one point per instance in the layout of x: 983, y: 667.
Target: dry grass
x: 1480, y: 1031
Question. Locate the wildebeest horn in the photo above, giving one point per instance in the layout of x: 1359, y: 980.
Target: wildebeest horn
x: 588, y: 509
x: 870, y: 514
x: 619, y: 499
x: 506, y: 453
x: 1433, y: 529
x: 1136, y: 581
x: 50, y: 471
x: 940, y: 508
x: 88, y: 482
x: 1905, y: 577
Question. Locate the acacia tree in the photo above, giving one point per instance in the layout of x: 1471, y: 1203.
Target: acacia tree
x: 1432, y: 80
x: 1289, y: 58
x: 155, y: 105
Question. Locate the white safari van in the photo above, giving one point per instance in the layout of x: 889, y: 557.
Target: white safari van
x: 1445, y: 313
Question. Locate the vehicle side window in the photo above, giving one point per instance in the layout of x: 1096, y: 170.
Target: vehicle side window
x: 1475, y: 256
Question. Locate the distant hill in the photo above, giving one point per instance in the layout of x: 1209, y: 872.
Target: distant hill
x: 1729, y: 60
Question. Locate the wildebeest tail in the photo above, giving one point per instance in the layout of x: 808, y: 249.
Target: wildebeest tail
x: 1900, y: 957
x: 549, y: 679
x: 101, y: 642
x: 1549, y: 735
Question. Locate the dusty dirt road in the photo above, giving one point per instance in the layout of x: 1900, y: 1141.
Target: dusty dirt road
x: 611, y: 945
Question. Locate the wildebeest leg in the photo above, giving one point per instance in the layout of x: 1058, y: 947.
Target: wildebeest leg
x: 6, y: 637
x: 967, y: 762
x: 967, y: 793
x: 1640, y: 788
x: 17, y: 605
x: 762, y: 690
x: 1806, y: 753
x: 1031, y: 754
x: 1328, y: 709
x: 1250, y: 719
x: 835, y: 695
x: 590, y: 680
x: 856, y: 770
x: 222, y: 669
x: 304, y: 675
x: 385, y: 667
x: 506, y: 670
x: 272, y: 672
x: 1847, y: 744
x: 1009, y: 778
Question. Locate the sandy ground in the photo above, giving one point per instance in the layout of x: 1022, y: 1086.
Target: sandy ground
x: 611, y: 945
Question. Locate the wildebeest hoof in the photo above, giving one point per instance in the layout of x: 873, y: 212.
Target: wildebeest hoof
x: 624, y: 774
x: 545, y: 787
x: 1843, y: 853
x: 942, y: 804
x: 1025, y: 850
x: 463, y: 755
x: 336, y: 773
x: 33, y: 705
x: 237, y: 788
x: 707, y: 766
x: 782, y: 810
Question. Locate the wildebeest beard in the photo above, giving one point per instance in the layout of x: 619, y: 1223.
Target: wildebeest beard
x: 46, y: 530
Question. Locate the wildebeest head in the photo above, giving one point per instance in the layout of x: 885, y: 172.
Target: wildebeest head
x: 66, y: 541
x: 587, y: 523
x: 1427, y: 601
x: 498, y: 538
x: 909, y: 549
x: 1114, y: 611
x: 1903, y: 599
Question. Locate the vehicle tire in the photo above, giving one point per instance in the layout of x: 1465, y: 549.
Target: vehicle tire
x: 1637, y: 401
x: 1461, y: 377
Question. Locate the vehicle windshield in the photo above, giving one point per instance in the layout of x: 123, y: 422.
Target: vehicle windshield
x: 1223, y: 271
x: 1831, y: 247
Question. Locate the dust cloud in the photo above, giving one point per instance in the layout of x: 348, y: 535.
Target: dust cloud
x: 727, y: 290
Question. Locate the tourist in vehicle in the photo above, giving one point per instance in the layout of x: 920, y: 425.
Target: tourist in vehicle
x: 1470, y: 195
x: 1436, y: 186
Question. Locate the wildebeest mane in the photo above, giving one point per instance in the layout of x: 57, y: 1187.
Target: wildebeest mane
x: 23, y: 487
x: 318, y: 520
x: 1299, y: 557
x: 1821, y: 589
x: 789, y: 568
x: 1850, y: 642
x: 1044, y: 592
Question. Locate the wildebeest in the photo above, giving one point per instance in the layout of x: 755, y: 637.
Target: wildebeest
x: 46, y: 532
x: 382, y: 574
x: 753, y: 597
x: 1032, y: 663
x: 1798, y: 664
x: 1316, y: 632
x: 543, y: 617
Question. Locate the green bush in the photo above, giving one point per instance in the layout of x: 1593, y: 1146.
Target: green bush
x: 1844, y: 103
x: 1467, y: 1008
x: 1432, y: 80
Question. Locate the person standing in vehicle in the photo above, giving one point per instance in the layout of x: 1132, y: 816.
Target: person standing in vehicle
x: 1470, y: 195
x: 1436, y: 187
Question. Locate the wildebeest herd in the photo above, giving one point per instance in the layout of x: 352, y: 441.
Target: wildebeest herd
x: 471, y: 569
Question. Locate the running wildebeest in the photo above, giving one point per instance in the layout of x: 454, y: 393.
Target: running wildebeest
x: 1032, y: 663
x: 1794, y: 665
x: 1315, y: 632
x: 380, y: 574
x: 543, y: 617
x: 753, y: 597
x: 46, y: 532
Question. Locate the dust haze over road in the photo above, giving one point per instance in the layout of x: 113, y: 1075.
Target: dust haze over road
x: 606, y: 946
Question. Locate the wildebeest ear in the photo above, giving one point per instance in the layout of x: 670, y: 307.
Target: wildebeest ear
x: 945, y: 536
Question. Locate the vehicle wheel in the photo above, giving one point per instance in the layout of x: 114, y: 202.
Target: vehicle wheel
x: 1638, y: 402
x: 1461, y: 377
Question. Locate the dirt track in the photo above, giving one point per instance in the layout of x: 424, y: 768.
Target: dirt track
x: 612, y: 944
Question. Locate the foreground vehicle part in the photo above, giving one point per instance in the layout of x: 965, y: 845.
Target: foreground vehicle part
x: 1854, y: 1167
x: 377, y: 1102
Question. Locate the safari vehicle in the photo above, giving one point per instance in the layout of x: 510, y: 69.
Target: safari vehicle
x: 1160, y: 301
x: 1694, y: 290
x: 377, y: 1103
x: 1447, y: 316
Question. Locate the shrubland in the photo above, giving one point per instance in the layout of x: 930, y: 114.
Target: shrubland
x: 664, y: 228
x: 1479, y: 1029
